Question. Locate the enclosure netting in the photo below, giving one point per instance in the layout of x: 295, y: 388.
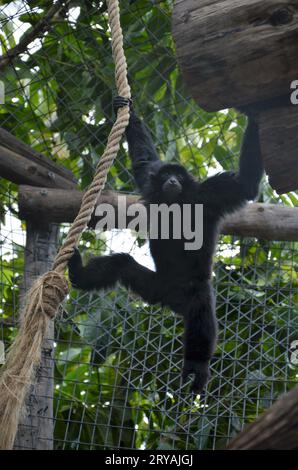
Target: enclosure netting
x: 117, y: 360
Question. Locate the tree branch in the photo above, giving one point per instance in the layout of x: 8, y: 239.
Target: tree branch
x: 41, y: 27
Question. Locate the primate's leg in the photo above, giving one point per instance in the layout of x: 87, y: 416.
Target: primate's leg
x: 99, y: 273
x: 140, y: 144
x: 200, y: 337
x: 104, y: 271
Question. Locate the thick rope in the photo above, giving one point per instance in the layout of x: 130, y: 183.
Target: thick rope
x: 50, y: 289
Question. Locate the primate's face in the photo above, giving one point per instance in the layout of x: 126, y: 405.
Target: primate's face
x: 170, y: 182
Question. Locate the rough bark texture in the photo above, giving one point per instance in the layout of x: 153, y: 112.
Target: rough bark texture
x: 236, y: 52
x: 263, y: 221
x: 36, y: 425
x: 23, y: 165
x: 58, y: 205
x: 243, y: 54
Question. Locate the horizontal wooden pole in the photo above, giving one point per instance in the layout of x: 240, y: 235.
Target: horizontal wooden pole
x: 23, y: 165
x: 264, y: 221
x: 60, y: 205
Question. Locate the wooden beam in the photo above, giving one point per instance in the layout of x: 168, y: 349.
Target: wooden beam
x: 59, y: 205
x: 36, y: 426
x: 236, y: 52
x: 23, y: 165
x: 264, y: 221
x: 279, y: 145
x: 276, y: 429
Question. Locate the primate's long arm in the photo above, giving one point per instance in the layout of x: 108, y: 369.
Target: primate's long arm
x: 140, y: 145
x: 251, y: 165
x: 141, y: 149
x: 229, y: 190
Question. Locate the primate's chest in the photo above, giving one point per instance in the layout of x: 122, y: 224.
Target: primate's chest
x: 172, y: 256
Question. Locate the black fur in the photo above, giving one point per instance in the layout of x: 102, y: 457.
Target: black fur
x: 182, y: 279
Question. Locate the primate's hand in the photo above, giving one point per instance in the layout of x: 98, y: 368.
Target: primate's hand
x: 121, y: 102
x: 201, y: 372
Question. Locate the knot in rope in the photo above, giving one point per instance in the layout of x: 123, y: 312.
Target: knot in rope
x: 47, y: 293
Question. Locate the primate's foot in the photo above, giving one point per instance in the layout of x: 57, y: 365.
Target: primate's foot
x: 100, y: 272
x: 200, y: 370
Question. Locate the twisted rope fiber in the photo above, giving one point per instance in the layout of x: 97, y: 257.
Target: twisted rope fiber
x: 50, y: 289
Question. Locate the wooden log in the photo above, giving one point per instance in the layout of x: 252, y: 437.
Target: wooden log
x: 36, y: 425
x: 264, y: 221
x: 279, y: 145
x: 23, y: 165
x: 236, y: 52
x: 21, y: 170
x: 58, y: 205
x: 276, y: 429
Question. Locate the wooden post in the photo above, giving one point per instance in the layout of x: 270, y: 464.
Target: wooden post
x: 279, y: 141
x: 36, y: 426
x: 243, y: 54
x: 236, y: 52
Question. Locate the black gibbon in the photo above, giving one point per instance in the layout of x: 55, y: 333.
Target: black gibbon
x: 182, y: 280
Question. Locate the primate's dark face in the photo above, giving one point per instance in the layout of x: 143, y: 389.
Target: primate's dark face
x: 170, y: 182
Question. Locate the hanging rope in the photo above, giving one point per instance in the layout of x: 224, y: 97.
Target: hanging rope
x: 50, y: 290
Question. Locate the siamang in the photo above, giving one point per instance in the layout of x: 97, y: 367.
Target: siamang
x: 183, y: 278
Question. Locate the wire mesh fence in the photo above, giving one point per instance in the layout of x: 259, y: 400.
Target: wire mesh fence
x: 117, y: 360
x: 131, y: 372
